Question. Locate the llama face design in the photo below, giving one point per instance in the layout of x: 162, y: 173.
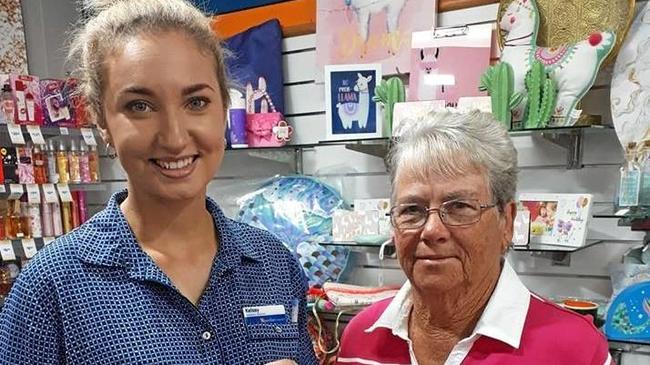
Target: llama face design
x: 364, y: 9
x: 427, y: 67
x: 573, y: 67
x: 350, y: 112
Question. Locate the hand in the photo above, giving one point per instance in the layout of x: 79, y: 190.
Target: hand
x: 283, y: 362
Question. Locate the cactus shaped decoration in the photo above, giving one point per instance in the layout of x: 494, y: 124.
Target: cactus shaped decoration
x: 541, y: 96
x: 498, y: 81
x: 389, y: 92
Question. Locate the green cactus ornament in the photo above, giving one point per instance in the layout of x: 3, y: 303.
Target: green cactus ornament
x: 389, y: 92
x: 542, y: 94
x: 498, y: 81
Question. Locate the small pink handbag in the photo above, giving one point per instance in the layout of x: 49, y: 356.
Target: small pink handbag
x: 267, y: 129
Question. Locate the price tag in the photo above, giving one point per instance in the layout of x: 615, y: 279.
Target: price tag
x: 15, y: 191
x: 49, y: 193
x: 64, y: 131
x: 64, y: 193
x: 3, y: 189
x: 89, y: 136
x: 29, y: 246
x: 7, y: 251
x: 33, y: 194
x: 15, y: 134
x: 36, y: 134
x: 48, y: 240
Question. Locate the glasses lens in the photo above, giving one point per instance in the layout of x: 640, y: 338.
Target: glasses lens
x: 461, y: 212
x: 409, y: 216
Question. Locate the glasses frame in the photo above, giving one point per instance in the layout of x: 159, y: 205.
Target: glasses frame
x: 441, y: 213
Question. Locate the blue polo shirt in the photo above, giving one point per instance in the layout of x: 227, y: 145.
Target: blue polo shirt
x: 94, y: 297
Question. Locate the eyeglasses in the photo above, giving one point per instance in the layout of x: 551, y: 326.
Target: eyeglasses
x: 461, y: 212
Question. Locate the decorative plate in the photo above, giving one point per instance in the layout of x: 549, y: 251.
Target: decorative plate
x: 630, y: 92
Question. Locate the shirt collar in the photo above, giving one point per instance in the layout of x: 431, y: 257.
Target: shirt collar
x: 107, y: 240
x: 502, y: 319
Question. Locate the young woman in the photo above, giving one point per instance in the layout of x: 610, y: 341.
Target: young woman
x: 160, y: 276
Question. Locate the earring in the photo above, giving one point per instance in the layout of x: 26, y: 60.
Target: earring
x: 112, y: 154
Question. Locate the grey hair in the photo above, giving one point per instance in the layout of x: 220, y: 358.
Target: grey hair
x: 110, y: 22
x: 451, y: 144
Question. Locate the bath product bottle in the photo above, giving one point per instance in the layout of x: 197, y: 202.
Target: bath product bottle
x: 73, y: 163
x: 24, y: 223
x: 628, y: 192
x: 644, y: 162
x: 84, y: 165
x: 35, y: 222
x: 52, y: 174
x: 74, y: 207
x: 21, y: 105
x: 39, y: 162
x: 83, y: 208
x: 46, y: 219
x: 237, y: 120
x: 93, y: 164
x: 62, y: 164
x: 57, y: 221
x: 66, y: 216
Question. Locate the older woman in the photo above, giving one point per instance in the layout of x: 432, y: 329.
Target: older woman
x: 454, y: 180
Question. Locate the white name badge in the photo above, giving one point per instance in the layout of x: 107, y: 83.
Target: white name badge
x: 268, y: 314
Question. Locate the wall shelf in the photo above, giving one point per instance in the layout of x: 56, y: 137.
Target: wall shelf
x: 569, y: 138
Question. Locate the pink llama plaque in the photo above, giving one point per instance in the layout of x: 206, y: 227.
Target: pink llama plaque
x: 447, y: 63
x: 364, y: 31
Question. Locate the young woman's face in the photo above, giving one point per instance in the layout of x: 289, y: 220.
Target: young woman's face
x: 164, y: 115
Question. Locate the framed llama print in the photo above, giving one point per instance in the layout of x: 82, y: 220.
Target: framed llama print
x: 365, y: 31
x: 349, y: 109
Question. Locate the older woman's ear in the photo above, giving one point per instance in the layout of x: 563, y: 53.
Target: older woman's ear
x: 509, y: 214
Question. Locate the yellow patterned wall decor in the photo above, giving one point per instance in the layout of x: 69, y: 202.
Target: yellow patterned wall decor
x: 569, y: 21
x: 13, y: 51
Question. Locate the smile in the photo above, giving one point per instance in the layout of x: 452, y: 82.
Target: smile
x: 177, y: 168
x: 175, y: 164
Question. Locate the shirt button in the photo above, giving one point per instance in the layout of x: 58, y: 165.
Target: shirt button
x: 206, y: 335
x: 277, y: 329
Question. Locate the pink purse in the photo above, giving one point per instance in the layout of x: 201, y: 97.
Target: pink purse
x: 265, y: 129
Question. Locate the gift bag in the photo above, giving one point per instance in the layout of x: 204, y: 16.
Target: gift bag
x: 447, y: 63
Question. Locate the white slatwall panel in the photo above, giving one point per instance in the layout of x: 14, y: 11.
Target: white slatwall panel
x: 363, y: 176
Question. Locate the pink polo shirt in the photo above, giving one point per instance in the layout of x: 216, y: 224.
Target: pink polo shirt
x: 516, y: 327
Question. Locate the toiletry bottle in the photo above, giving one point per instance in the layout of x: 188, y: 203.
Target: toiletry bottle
x: 84, y: 167
x: 23, y: 229
x: 57, y: 221
x: 66, y: 216
x: 3, y: 236
x: 75, y: 210
x: 93, y: 164
x: 7, y: 105
x: 62, y: 164
x: 628, y: 195
x: 10, y: 225
x: 73, y: 163
x: 35, y: 221
x: 30, y: 104
x: 52, y: 174
x: 237, y: 120
x: 46, y: 218
x: 39, y: 162
x: 83, y: 207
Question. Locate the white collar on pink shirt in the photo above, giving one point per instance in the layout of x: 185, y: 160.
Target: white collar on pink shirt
x: 503, y: 318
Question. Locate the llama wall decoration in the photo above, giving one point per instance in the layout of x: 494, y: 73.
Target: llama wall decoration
x: 364, y: 31
x: 573, y: 67
x: 351, y: 111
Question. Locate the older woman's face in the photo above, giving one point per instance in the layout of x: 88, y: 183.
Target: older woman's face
x: 436, y: 257
x: 164, y: 114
